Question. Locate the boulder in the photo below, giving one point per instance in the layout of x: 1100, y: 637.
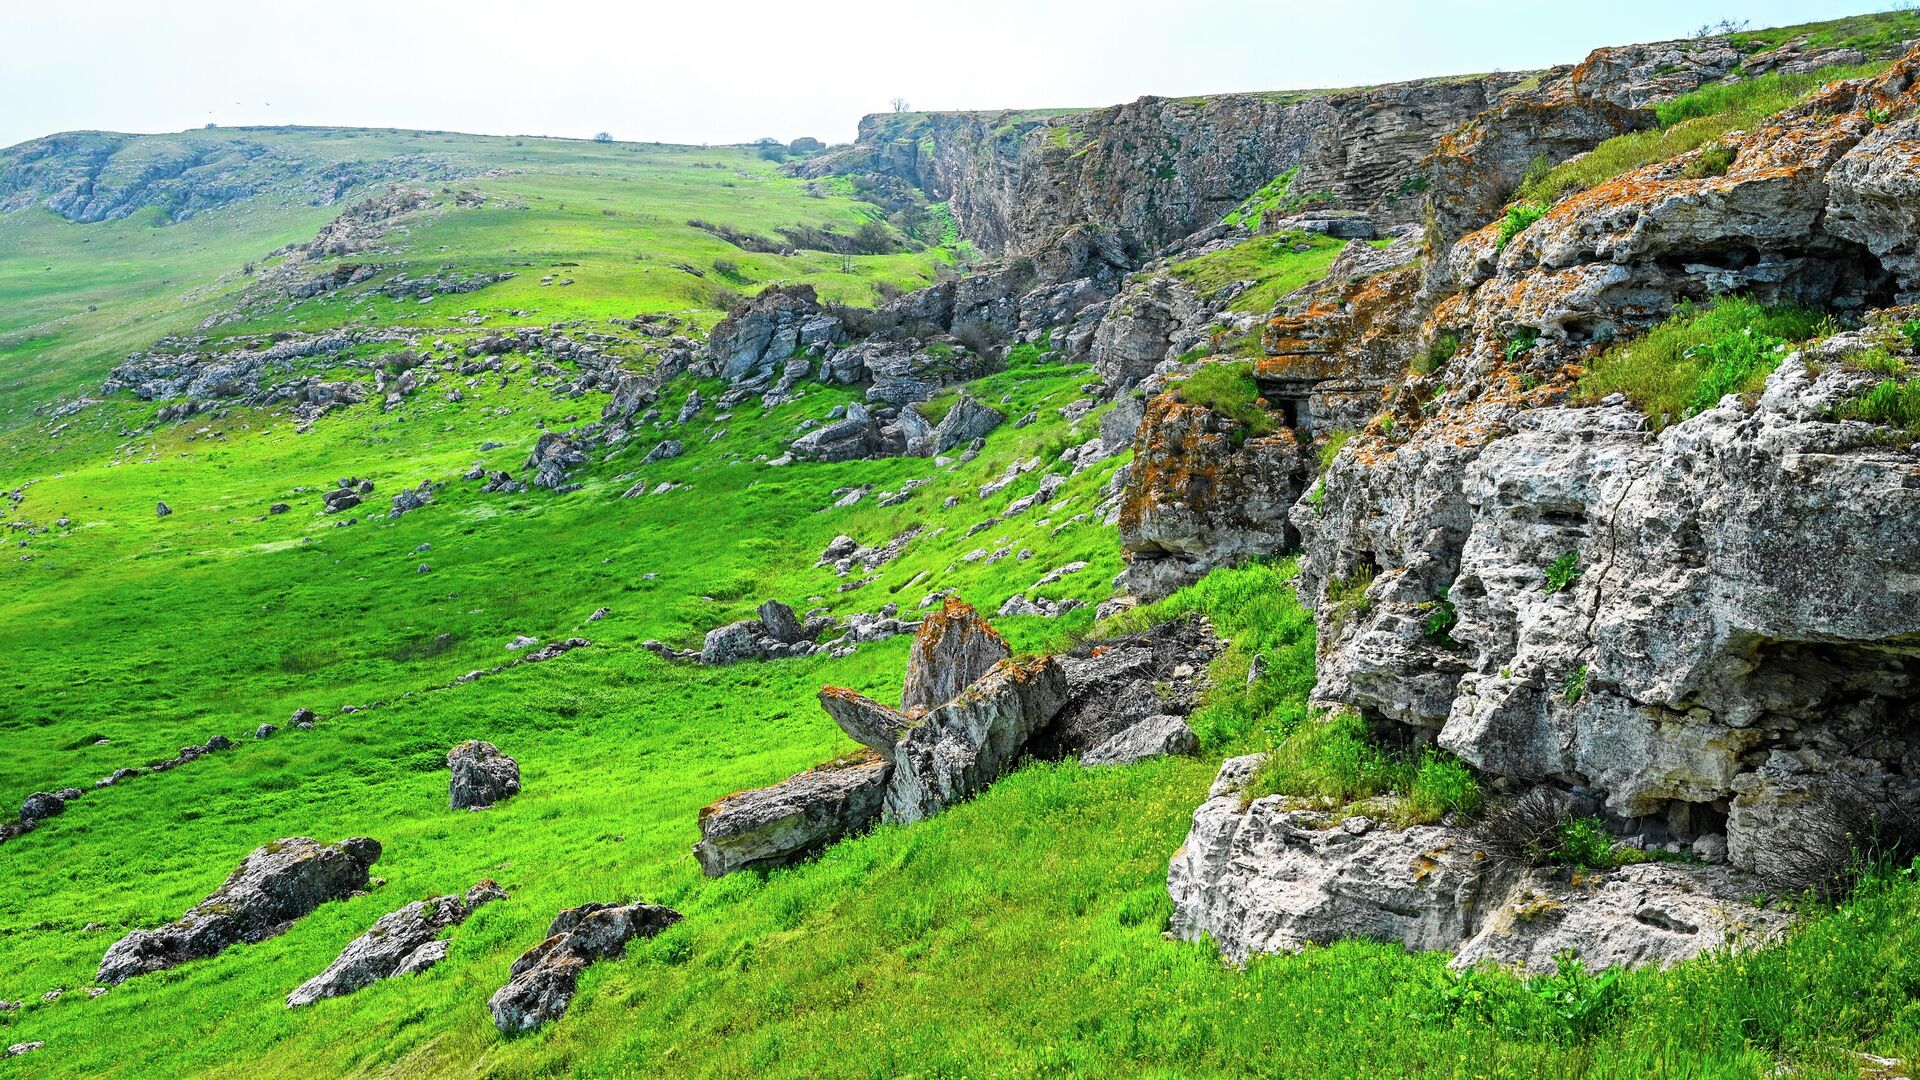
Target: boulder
x: 1154, y: 736
x: 966, y: 421
x: 162, y: 509
x: 782, y: 824
x: 273, y: 887
x: 400, y: 942
x: 482, y: 775
x: 542, y: 981
x: 344, y: 498
x: 777, y: 620
x: 953, y: 647
x: 967, y: 743
x: 41, y: 805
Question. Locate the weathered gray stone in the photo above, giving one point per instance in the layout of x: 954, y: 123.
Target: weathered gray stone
x: 967, y: 743
x: 274, y: 886
x: 953, y: 647
x: 1154, y: 736
x: 399, y: 943
x: 794, y: 819
x: 543, y: 980
x: 867, y: 721
x: 482, y: 775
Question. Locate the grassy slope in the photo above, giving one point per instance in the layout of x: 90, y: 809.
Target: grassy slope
x: 1017, y: 934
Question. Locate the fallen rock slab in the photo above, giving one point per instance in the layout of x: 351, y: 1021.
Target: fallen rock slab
x: 543, y: 980
x: 779, y: 825
x: 482, y: 775
x: 275, y: 885
x: 865, y: 720
x: 400, y: 942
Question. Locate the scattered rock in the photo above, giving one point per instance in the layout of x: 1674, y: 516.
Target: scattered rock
x: 275, y: 885
x: 482, y: 775
x: 544, y: 978
x: 400, y: 942
x: 792, y: 820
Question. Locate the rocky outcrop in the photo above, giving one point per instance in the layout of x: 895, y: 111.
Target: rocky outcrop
x: 792, y: 820
x: 402, y: 942
x: 274, y: 886
x: 959, y: 748
x: 543, y: 980
x: 1265, y: 876
x: 1727, y: 639
x: 1147, y: 324
x: 482, y: 775
x: 1202, y: 494
x: 1146, y: 681
x: 1159, y: 169
x: 953, y: 647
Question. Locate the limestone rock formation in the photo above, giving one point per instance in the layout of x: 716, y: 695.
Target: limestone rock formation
x: 400, y: 942
x: 960, y: 747
x: 1263, y: 877
x: 543, y: 980
x: 482, y: 775
x: 1202, y: 495
x: 274, y: 886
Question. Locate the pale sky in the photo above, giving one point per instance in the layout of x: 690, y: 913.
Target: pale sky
x: 718, y: 71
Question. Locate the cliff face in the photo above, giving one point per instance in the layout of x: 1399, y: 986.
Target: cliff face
x: 1158, y: 169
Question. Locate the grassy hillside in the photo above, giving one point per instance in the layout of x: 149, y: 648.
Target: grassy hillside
x: 1018, y: 934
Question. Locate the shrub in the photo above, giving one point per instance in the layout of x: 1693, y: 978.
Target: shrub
x: 1522, y: 342
x: 1911, y: 331
x: 1563, y: 571
x: 1227, y: 388
x: 1890, y: 403
x: 1541, y: 829
x: 1442, y: 786
x: 1519, y: 216
x: 1689, y: 362
x: 1843, y: 839
x: 1444, y: 348
x: 1582, y: 1004
x: 1574, y: 686
x: 1441, y: 619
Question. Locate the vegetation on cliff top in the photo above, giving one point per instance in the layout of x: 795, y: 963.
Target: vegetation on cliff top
x: 1688, y: 363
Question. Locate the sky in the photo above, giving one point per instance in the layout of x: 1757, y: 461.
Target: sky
x: 718, y: 71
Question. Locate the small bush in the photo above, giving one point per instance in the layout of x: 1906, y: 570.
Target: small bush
x: 1444, y: 348
x: 1910, y: 330
x: 1889, y: 403
x: 1581, y: 1003
x: 1522, y: 342
x: 1563, y: 571
x: 1844, y: 838
x: 1227, y: 388
x: 1574, y: 686
x: 1541, y: 829
x: 1441, y: 619
x: 1519, y: 216
x: 1688, y: 363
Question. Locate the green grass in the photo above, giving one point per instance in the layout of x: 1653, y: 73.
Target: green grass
x: 1276, y: 265
x: 1276, y: 197
x: 1890, y: 403
x: 1688, y: 363
x: 1227, y: 388
x: 1332, y: 761
x: 1686, y: 123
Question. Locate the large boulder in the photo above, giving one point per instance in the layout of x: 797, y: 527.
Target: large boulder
x: 782, y: 824
x: 966, y: 421
x: 967, y: 743
x: 400, y: 942
x: 274, y: 886
x: 759, y: 336
x: 953, y: 647
x: 1141, y: 329
x: 482, y: 775
x: 1146, y: 680
x: 1154, y: 736
x: 1265, y: 877
x: 542, y: 981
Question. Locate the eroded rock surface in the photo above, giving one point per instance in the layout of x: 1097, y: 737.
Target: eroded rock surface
x: 1263, y: 877
x: 953, y: 647
x: 792, y: 820
x: 482, y: 775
